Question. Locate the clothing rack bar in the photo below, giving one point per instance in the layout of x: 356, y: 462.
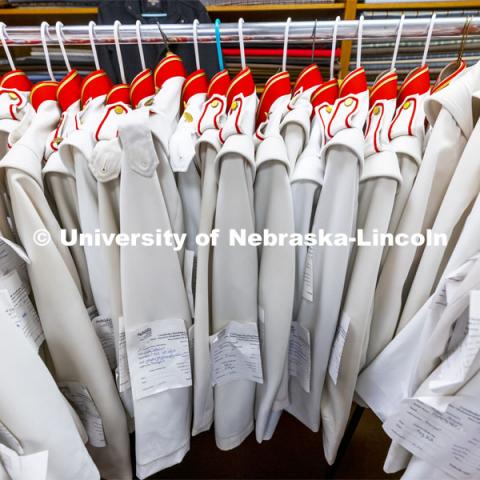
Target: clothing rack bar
x: 253, y: 32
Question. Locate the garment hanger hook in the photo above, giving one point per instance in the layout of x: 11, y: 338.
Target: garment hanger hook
x: 116, y: 37
x: 285, y: 44
x: 314, y: 40
x: 164, y: 38
x: 195, y: 43
x: 59, y: 33
x: 241, y: 43
x: 43, y: 35
x: 427, y: 40
x: 91, y: 34
x: 3, y: 35
x: 219, y: 44
x: 359, y: 40
x: 334, y: 47
x: 138, y: 30
x: 397, y: 41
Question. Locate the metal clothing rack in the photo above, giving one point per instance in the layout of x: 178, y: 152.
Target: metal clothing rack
x: 254, y: 32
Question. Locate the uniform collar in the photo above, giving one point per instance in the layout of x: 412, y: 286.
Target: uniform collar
x: 16, y: 79
x: 447, y: 74
x: 242, y: 83
x: 42, y: 92
x: 195, y: 83
x: 171, y: 66
x: 94, y: 85
x: 118, y: 94
x: 69, y: 90
x: 417, y: 82
x: 219, y: 84
x: 355, y: 82
x: 385, y: 87
x: 142, y: 87
x: 276, y: 86
x: 326, y: 93
x: 309, y: 77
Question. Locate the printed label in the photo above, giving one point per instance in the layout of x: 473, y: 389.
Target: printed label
x: 104, y: 329
x: 337, y: 348
x: 299, y: 355
x: 308, y: 276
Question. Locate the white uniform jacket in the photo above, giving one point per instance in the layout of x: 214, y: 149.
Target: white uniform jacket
x: 447, y: 140
x: 276, y: 277
x: 208, y: 145
x: 307, y: 178
x: 75, y: 350
x: 235, y: 267
x: 60, y: 180
x: 461, y: 192
x: 342, y: 159
x: 295, y: 125
x: 378, y: 187
x: 182, y: 161
x: 407, y: 136
x: 164, y: 115
x: 75, y: 152
x: 36, y: 415
x: 155, y: 305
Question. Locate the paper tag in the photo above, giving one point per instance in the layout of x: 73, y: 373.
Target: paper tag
x: 189, y: 267
x: 235, y: 354
x: 123, y: 371
x: 24, y: 467
x: 299, y: 355
x: 449, y: 440
x: 104, y: 329
x: 16, y: 304
x: 308, y: 276
x: 14, y: 257
x: 337, y: 348
x: 8, y: 438
x: 80, y: 399
x: 159, y: 357
x: 92, y: 312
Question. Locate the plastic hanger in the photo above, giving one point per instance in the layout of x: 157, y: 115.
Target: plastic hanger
x: 3, y: 36
x: 116, y: 37
x: 43, y: 35
x: 219, y: 44
x: 59, y: 33
x: 91, y: 34
x: 359, y: 40
x: 314, y: 40
x: 195, y: 43
x: 285, y: 44
x: 241, y: 43
x: 138, y: 30
x: 397, y: 42
x: 428, y: 39
x: 334, y: 47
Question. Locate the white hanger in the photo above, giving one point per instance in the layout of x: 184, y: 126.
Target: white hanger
x: 240, y: 42
x: 5, y: 46
x: 285, y: 44
x: 427, y: 40
x: 116, y: 37
x: 334, y: 46
x: 138, y: 25
x: 59, y: 32
x: 359, y: 40
x: 43, y: 35
x: 195, y: 43
x: 397, y: 42
x: 91, y: 34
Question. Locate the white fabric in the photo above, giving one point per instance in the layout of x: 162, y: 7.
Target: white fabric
x: 207, y: 147
x: 36, y: 413
x: 276, y: 277
x: 336, y: 213
x: 378, y: 187
x: 235, y: 268
x: 73, y: 345
x: 152, y: 289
